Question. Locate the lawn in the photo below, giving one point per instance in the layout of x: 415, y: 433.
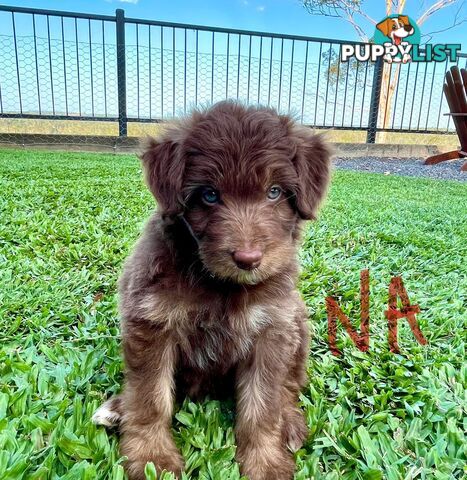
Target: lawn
x: 69, y: 220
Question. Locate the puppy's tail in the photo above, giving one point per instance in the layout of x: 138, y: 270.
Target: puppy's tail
x: 109, y: 414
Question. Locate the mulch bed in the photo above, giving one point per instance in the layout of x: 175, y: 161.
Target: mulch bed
x: 412, y: 167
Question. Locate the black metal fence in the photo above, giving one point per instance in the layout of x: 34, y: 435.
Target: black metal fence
x: 74, y: 66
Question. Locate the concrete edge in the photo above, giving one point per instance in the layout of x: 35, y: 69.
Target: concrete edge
x: 110, y: 144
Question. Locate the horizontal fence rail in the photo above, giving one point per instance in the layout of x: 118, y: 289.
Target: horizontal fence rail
x: 74, y: 66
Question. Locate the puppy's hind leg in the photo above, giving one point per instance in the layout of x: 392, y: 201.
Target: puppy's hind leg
x: 109, y: 413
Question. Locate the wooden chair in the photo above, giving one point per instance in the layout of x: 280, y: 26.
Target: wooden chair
x: 455, y: 90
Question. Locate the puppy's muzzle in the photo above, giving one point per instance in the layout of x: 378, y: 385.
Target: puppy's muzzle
x: 247, y: 259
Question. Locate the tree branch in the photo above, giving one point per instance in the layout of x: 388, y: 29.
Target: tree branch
x: 364, y: 15
x: 456, y: 21
x: 358, y: 29
x: 434, y: 8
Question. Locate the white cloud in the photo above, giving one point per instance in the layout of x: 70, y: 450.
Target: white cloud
x: 128, y: 1
x: 261, y: 8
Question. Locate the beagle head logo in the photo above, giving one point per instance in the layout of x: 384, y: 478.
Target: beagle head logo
x: 398, y: 34
x: 397, y: 28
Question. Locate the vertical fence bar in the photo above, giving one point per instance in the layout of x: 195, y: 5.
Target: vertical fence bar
x: 137, y: 70
x: 162, y: 73
x: 396, y: 95
x: 337, y: 86
x: 270, y: 71
x: 364, y: 91
x: 227, y: 69
x: 64, y: 66
x: 422, y: 97
x: 104, y: 69
x: 405, y: 96
x: 431, y: 94
x: 238, y: 63
x: 212, y: 68
x: 280, y: 75
x: 50, y: 66
x: 345, y: 91
x: 260, y: 63
x: 37, y: 62
x: 249, y: 70
x: 317, y: 81
x: 387, y: 93
x: 173, y: 71
x: 90, y: 64
x: 291, y: 75
x: 150, y: 71
x: 121, y: 72
x: 184, y: 73
x: 374, y: 103
x: 77, y: 66
x: 196, y: 68
x: 354, y: 93
x: 17, y: 63
x: 304, y: 82
x: 413, y: 98
x: 327, y: 85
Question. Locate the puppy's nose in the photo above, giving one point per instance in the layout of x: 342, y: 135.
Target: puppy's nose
x: 407, y: 28
x: 247, y: 259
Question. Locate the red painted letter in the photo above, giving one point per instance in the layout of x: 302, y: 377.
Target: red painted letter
x: 396, y: 288
x: 362, y: 340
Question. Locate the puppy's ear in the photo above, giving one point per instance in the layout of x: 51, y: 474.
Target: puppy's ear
x: 405, y: 19
x: 385, y: 26
x: 164, y: 167
x: 312, y: 162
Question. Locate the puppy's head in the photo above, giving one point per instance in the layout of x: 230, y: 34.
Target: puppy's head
x: 396, y: 28
x: 241, y: 180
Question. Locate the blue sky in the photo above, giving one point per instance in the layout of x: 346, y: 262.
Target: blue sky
x: 281, y: 16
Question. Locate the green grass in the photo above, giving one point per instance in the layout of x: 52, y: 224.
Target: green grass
x: 69, y: 220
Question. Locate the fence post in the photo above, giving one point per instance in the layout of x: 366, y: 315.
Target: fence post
x: 121, y: 72
x: 375, y: 99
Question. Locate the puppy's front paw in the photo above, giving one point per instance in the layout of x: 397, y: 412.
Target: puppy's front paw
x: 174, y: 464
x: 267, y: 463
x: 154, y: 444
x: 283, y: 469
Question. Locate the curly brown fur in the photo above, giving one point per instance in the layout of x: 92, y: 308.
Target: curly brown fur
x: 208, y: 298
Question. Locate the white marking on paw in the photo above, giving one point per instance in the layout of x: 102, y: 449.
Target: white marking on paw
x: 105, y: 416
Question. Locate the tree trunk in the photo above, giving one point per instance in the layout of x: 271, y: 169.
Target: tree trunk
x: 388, y: 86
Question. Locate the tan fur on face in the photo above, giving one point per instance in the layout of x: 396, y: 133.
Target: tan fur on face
x: 194, y: 322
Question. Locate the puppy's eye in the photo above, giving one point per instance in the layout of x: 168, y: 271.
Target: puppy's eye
x: 394, y: 27
x: 274, y: 192
x: 210, y: 196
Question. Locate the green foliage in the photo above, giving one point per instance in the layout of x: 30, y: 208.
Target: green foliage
x: 69, y: 220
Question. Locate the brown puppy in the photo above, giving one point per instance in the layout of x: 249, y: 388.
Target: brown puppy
x: 208, y: 298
